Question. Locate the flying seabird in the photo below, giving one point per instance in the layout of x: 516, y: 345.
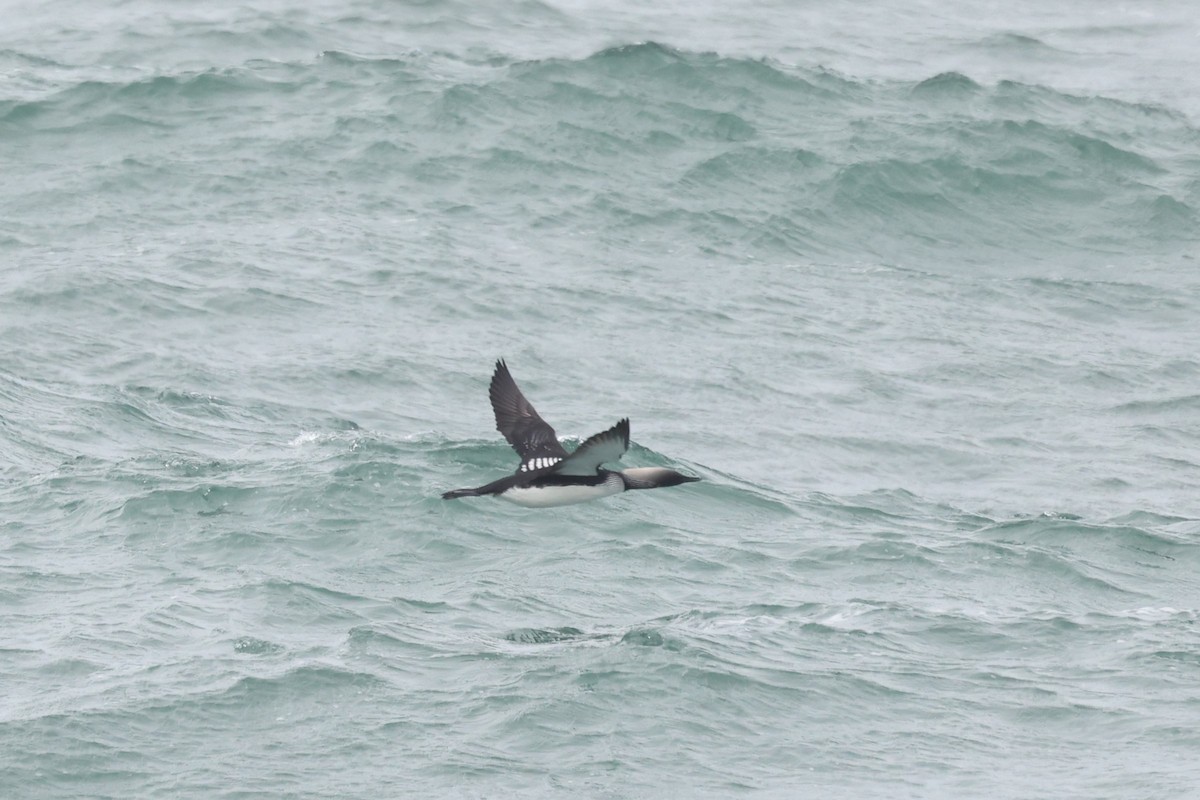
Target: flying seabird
x: 549, y: 475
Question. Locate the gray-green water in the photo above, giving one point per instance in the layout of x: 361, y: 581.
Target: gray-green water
x: 914, y: 289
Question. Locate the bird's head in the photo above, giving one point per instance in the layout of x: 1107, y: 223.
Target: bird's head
x: 653, y: 478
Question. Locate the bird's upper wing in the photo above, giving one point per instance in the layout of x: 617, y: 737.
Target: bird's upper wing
x: 599, y: 449
x: 529, y: 434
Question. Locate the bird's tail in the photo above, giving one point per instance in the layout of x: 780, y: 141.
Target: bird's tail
x: 495, y: 487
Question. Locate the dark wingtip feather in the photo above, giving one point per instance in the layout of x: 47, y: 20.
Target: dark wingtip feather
x: 498, y: 374
x: 622, y: 428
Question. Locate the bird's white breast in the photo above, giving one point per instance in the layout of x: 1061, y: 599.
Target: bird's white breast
x: 550, y: 496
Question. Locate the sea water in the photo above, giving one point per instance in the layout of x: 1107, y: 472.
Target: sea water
x: 913, y: 287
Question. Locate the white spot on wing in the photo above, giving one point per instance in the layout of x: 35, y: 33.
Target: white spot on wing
x: 539, y: 462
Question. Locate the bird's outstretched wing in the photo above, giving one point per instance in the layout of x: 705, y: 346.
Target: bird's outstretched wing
x: 529, y: 434
x: 599, y: 449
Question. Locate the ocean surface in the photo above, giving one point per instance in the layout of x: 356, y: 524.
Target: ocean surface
x: 914, y: 287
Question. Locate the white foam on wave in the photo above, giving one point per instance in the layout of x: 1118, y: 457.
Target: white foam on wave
x: 305, y: 437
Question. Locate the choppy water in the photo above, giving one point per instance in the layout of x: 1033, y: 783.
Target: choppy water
x: 914, y: 289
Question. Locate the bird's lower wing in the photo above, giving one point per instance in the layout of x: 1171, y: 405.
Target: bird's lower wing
x: 599, y: 449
